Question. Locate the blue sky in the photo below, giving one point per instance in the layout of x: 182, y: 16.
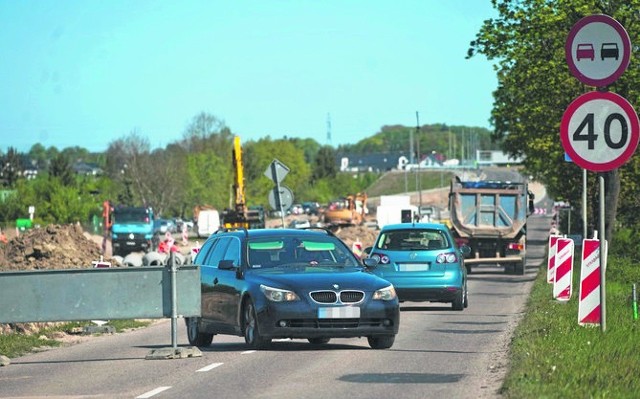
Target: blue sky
x: 89, y: 72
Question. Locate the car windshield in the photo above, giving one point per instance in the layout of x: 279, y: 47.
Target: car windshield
x: 414, y: 239
x: 299, y: 252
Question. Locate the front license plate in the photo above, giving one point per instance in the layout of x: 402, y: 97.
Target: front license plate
x: 343, y: 312
x: 131, y: 243
x: 413, y: 267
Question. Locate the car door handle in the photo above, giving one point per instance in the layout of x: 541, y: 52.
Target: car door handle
x: 215, y: 280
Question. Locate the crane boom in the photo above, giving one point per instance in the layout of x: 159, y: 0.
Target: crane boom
x: 240, y: 216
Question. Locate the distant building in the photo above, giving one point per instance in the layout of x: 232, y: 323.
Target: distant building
x: 87, y: 169
x: 378, y: 162
x: 495, y: 158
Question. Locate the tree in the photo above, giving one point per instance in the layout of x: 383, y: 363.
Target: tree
x: 60, y: 168
x: 325, y: 163
x: 207, y: 132
x: 10, y: 169
x: 535, y: 85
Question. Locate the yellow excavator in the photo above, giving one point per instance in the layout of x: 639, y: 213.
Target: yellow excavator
x: 347, y: 211
x: 240, y: 216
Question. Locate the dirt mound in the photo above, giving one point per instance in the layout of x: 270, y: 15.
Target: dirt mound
x: 50, y: 247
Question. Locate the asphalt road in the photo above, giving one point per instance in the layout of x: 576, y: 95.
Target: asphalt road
x: 438, y: 353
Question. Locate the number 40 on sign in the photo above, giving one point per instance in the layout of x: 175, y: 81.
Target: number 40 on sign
x: 600, y: 131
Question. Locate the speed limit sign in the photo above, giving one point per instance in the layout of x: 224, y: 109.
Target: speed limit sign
x: 600, y: 131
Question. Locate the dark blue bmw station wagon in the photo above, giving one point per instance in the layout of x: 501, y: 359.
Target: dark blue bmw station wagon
x: 265, y: 284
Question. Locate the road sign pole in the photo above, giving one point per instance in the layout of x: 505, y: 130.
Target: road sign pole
x: 274, y: 171
x: 603, y: 260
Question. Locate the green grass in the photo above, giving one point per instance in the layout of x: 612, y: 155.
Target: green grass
x: 18, y: 344
x: 554, y: 357
x: 395, y: 182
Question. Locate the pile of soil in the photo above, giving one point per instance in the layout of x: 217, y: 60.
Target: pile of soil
x: 51, y: 247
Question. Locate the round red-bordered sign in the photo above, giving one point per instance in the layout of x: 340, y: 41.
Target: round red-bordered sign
x: 600, y: 131
x: 598, y: 49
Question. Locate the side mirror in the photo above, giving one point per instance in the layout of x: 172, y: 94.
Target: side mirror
x: 226, y: 265
x: 465, y: 249
x: 370, y: 262
x: 531, y: 198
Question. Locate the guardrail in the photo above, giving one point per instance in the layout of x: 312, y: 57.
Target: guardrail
x: 149, y: 292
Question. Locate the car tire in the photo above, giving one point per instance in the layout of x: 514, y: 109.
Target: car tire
x: 319, y: 341
x: 466, y: 297
x: 458, y: 301
x: 194, y: 335
x: 381, y: 342
x: 251, y: 328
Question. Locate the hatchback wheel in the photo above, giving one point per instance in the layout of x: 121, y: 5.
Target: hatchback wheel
x: 466, y: 297
x: 194, y: 335
x: 381, y: 342
x: 458, y: 301
x: 251, y: 329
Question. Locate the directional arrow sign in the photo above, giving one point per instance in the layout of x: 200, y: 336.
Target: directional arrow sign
x: 597, y: 50
x: 600, y: 131
x: 276, y: 171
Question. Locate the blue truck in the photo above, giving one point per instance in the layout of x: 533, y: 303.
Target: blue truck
x: 132, y: 230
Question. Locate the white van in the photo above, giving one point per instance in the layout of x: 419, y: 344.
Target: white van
x: 208, y: 222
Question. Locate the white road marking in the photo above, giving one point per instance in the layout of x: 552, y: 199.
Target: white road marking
x: 247, y: 352
x: 152, y: 393
x: 210, y: 367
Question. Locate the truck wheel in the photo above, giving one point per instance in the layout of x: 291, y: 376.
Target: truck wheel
x: 519, y: 268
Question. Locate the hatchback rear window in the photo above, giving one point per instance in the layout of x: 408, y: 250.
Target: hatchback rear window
x: 413, y: 240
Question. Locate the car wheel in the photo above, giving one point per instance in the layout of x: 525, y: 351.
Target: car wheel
x: 381, y: 342
x: 466, y: 297
x: 194, y: 335
x: 251, y: 329
x: 458, y: 301
x: 319, y: 341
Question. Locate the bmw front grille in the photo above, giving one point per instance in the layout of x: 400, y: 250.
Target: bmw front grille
x: 325, y: 297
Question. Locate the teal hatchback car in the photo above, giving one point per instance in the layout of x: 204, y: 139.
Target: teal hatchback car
x: 423, y: 262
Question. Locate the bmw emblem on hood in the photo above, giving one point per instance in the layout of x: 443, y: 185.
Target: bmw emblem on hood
x: 336, y: 286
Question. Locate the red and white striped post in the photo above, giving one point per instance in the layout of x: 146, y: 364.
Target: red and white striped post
x: 551, y: 261
x: 589, y: 309
x: 563, y: 273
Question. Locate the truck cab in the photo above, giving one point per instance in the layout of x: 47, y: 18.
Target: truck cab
x: 132, y: 230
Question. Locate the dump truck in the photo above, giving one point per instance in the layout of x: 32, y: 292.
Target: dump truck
x: 132, y: 230
x: 491, y: 218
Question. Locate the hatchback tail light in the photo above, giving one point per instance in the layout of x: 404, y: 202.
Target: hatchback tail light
x: 449, y: 257
x: 381, y: 258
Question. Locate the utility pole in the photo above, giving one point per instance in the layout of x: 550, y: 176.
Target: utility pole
x: 419, y: 185
x: 328, y: 128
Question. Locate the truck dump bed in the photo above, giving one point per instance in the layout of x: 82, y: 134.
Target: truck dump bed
x: 487, y: 209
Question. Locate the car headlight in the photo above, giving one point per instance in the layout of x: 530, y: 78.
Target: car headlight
x: 278, y: 295
x: 385, y: 294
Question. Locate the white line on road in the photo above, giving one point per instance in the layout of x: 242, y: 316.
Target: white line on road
x: 210, y: 367
x: 246, y: 352
x: 152, y: 393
